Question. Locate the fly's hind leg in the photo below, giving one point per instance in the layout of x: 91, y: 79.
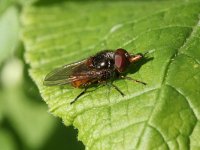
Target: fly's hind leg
x: 129, y: 78
x: 83, y: 92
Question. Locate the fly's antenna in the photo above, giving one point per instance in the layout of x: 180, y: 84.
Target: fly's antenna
x: 145, y: 53
x: 135, y: 58
x: 149, y: 52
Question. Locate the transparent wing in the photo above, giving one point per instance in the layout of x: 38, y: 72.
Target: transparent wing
x: 66, y: 74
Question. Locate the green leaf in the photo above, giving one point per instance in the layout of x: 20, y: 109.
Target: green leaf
x: 25, y: 113
x: 10, y: 26
x: 9, y: 32
x: 162, y: 115
x: 6, y: 141
x: 4, y: 4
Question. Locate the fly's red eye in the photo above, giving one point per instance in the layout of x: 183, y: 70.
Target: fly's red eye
x: 118, y: 61
x: 121, y: 59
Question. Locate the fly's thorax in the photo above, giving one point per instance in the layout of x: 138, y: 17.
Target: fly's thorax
x: 106, y: 74
x: 102, y: 60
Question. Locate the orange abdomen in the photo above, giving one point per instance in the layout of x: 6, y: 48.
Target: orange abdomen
x: 80, y: 83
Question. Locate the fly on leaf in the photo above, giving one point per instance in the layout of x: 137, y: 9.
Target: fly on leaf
x: 103, y: 67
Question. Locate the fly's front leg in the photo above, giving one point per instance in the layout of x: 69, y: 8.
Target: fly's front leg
x: 129, y: 78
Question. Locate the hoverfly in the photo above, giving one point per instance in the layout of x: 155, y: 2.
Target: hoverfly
x: 103, y: 67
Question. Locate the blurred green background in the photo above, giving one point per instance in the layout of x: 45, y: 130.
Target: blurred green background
x: 25, y: 123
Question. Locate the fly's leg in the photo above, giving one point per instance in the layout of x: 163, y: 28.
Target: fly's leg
x: 129, y: 78
x: 83, y: 92
x: 116, y: 88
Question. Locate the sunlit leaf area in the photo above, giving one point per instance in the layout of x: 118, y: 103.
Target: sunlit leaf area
x: 37, y: 36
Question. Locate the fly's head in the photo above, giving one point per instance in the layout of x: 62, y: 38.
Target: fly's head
x: 123, y: 59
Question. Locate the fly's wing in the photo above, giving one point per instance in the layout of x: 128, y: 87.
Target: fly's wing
x: 65, y: 74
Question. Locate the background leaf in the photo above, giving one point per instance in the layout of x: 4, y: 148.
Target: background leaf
x: 23, y: 111
x: 165, y: 113
x: 24, y: 121
x: 9, y: 35
x: 6, y: 141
